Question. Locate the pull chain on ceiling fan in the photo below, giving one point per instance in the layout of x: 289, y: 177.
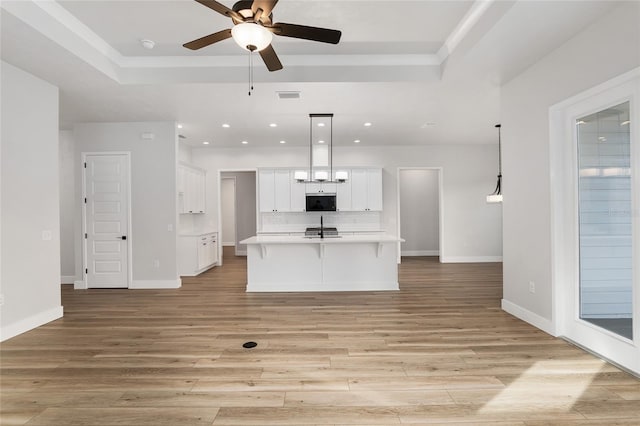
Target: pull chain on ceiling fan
x: 254, y: 28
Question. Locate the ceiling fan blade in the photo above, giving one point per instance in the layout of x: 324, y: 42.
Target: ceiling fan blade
x: 270, y: 58
x: 220, y: 8
x: 207, y: 40
x: 323, y: 35
x: 266, y: 6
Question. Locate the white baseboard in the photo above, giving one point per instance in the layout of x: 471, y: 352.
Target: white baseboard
x: 529, y: 317
x: 68, y: 279
x: 470, y: 259
x: 420, y: 253
x: 140, y: 284
x: 228, y: 244
x: 34, y: 321
x: 267, y: 287
x: 155, y: 284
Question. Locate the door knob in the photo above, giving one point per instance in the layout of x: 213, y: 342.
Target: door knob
x: 124, y: 237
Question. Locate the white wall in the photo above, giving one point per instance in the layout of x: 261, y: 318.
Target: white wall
x: 605, y: 49
x: 67, y: 208
x: 419, y: 218
x: 228, y: 207
x: 30, y: 265
x: 153, y: 194
x: 472, y: 228
x: 184, y: 152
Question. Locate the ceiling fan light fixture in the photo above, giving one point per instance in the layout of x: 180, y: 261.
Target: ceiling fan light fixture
x: 251, y: 36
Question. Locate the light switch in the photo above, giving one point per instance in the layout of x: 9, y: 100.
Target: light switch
x: 47, y: 235
x: 170, y: 227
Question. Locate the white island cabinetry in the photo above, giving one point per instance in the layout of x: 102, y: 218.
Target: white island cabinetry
x: 297, y: 263
x: 197, y: 252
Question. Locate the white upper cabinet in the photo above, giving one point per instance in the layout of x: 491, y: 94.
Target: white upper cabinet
x: 374, y: 189
x: 366, y: 189
x: 343, y: 196
x: 321, y: 187
x: 298, y: 200
x: 191, y: 189
x: 274, y: 190
x: 279, y: 191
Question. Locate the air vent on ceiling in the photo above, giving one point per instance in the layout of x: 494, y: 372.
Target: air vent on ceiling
x: 288, y: 95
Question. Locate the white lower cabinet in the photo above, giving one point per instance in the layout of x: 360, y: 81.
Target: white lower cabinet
x: 197, y: 253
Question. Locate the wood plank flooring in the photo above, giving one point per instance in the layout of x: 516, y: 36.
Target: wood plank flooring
x: 439, y: 351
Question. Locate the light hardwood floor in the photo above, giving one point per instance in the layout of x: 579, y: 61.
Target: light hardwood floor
x: 438, y: 351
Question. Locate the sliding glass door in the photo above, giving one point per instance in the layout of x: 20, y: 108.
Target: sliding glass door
x: 605, y: 220
x: 595, y: 176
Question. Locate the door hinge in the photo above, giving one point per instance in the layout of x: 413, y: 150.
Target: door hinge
x: 85, y: 200
x: 85, y: 165
x: 85, y: 235
x: 86, y: 271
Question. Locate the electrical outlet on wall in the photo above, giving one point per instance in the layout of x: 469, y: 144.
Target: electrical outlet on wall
x: 156, y: 263
x: 532, y: 287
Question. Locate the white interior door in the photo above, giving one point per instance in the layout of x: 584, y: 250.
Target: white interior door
x: 106, y: 192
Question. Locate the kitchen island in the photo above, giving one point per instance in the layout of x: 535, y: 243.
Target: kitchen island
x: 339, y: 263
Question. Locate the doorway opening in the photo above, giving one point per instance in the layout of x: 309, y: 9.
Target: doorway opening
x: 237, y: 209
x: 420, y: 211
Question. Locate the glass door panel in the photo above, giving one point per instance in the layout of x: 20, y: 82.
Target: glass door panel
x: 605, y: 220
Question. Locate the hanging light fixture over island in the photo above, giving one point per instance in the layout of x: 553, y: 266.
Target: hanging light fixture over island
x: 321, y: 153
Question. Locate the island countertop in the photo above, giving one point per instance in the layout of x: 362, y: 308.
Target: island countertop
x: 340, y: 239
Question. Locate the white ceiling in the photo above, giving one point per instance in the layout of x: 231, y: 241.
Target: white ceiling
x: 423, y: 72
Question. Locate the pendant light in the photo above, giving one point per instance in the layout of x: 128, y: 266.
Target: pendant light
x: 321, y: 153
x: 496, y: 196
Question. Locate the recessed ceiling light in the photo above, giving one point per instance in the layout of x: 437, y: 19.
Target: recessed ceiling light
x: 624, y: 123
x: 205, y: 143
x: 273, y: 125
x: 320, y: 124
x: 244, y: 142
x: 367, y: 124
x: 226, y: 126
x: 179, y: 126
x: 320, y: 141
x: 428, y: 124
x: 356, y: 141
x: 602, y: 139
x: 283, y: 141
x: 580, y: 122
x: 148, y: 44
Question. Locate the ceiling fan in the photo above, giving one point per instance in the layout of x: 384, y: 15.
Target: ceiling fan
x: 254, y: 28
